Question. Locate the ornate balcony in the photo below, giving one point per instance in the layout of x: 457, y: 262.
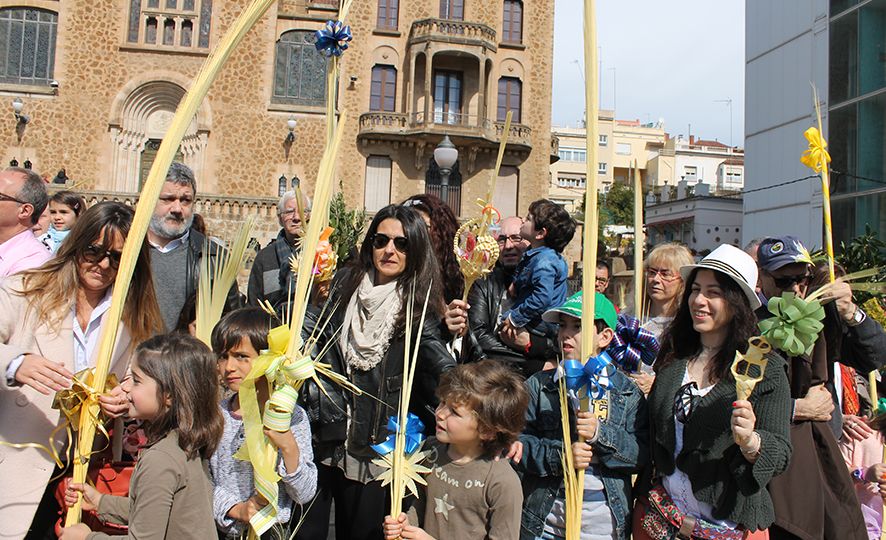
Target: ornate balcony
x: 454, y: 32
x: 462, y: 128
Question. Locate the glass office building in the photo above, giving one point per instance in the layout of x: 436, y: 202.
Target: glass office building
x: 857, y: 116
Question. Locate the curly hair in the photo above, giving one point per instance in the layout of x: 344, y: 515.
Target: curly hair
x: 443, y: 227
x: 681, y: 340
x: 495, y: 394
x: 553, y: 217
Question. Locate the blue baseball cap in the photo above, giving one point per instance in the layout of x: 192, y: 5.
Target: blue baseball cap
x: 779, y: 251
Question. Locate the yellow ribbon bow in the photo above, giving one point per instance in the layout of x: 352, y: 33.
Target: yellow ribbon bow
x: 280, y: 372
x: 816, y: 156
x: 70, y: 402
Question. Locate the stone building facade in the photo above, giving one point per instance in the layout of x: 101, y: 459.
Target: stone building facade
x: 99, y: 81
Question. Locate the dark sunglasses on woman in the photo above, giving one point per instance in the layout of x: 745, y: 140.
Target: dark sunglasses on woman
x: 95, y: 254
x: 684, y: 401
x: 380, y: 241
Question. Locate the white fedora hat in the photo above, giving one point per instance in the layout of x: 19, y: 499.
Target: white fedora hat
x: 735, y: 264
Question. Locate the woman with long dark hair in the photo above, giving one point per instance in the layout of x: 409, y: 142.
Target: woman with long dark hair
x: 442, y: 224
x: 51, y: 321
x: 713, y: 454
x: 369, y: 332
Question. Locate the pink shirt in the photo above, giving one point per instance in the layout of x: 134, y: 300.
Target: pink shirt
x: 22, y: 252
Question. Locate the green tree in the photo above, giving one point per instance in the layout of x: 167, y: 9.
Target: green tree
x: 348, y: 224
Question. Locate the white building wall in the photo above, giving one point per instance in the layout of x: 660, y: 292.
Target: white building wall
x: 786, y: 48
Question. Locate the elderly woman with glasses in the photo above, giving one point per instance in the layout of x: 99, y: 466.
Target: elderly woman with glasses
x: 51, y: 320
x: 368, y: 334
x: 713, y: 453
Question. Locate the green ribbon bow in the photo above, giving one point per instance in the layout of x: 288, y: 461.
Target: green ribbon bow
x: 795, y: 325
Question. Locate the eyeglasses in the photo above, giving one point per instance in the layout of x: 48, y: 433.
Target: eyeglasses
x: 514, y: 238
x: 786, y: 282
x: 5, y: 197
x: 665, y: 274
x: 684, y: 401
x: 184, y: 201
x: 381, y: 241
x: 95, y: 254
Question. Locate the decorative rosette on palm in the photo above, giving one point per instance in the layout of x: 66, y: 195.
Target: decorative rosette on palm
x: 632, y: 345
x: 795, y: 324
x: 476, y: 251
x: 413, y: 437
x: 333, y: 39
x: 748, y: 368
x: 325, y: 259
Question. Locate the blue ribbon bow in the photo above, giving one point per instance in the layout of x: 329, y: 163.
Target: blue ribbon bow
x: 593, y: 375
x: 414, y: 436
x: 332, y: 39
x: 632, y: 344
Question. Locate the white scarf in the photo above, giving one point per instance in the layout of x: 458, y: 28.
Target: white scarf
x: 369, y: 322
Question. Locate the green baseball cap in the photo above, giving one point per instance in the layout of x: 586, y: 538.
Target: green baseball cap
x: 603, y: 310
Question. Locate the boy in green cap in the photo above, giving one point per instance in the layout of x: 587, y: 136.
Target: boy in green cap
x: 615, y: 432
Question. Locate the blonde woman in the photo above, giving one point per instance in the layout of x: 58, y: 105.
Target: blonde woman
x: 51, y: 321
x: 664, y: 288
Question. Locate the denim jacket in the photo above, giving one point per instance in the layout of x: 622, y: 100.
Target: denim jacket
x: 621, y: 448
x: 540, y: 283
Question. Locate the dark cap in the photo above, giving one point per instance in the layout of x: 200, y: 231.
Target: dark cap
x: 779, y: 251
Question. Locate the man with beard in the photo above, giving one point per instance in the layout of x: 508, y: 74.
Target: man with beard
x: 176, y: 249
x: 487, y: 300
x: 271, y: 275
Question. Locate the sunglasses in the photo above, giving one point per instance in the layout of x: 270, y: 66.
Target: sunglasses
x: 94, y: 254
x: 380, y: 241
x: 684, y: 401
x: 787, y: 282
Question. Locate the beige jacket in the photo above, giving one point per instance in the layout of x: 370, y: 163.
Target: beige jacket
x: 26, y: 416
x: 170, y: 497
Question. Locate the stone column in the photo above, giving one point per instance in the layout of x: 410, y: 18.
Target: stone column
x: 429, y: 59
x: 481, y: 108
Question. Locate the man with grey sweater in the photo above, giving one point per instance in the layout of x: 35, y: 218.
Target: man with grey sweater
x: 176, y: 249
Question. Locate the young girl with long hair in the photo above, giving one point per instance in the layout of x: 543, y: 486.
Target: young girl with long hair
x: 174, y: 390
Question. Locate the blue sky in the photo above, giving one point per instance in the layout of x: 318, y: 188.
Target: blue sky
x: 671, y: 60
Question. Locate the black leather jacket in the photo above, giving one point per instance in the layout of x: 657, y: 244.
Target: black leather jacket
x: 483, y: 340
x: 381, y: 385
x: 196, y: 243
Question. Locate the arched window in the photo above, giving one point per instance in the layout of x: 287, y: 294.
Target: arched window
x: 383, y: 90
x: 175, y: 21
x: 510, y: 91
x: 512, y: 22
x: 299, y: 70
x: 27, y: 45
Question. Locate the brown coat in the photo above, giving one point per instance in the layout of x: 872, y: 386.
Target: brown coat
x: 26, y: 416
x: 814, y: 498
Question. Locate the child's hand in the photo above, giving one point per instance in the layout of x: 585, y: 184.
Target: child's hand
x: 75, y: 532
x: 587, y: 424
x: 283, y: 440
x: 876, y: 473
x: 91, y: 496
x: 582, y: 454
x: 415, y: 533
x: 514, y: 453
x: 394, y: 527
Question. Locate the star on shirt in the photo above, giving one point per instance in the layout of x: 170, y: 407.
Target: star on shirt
x: 442, y: 506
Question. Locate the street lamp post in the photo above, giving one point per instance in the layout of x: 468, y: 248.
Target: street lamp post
x: 445, y: 155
